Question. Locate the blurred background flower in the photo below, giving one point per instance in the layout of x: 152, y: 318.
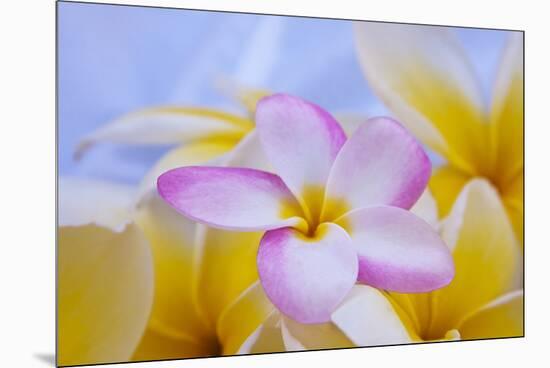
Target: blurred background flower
x: 426, y: 79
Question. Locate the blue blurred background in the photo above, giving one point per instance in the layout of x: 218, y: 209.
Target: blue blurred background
x: 115, y: 59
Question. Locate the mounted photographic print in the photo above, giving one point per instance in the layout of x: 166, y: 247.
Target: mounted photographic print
x: 235, y: 183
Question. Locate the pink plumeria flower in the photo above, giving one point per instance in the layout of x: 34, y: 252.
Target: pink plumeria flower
x: 335, y: 214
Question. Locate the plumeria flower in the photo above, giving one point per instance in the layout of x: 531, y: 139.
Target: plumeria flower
x: 335, y: 214
x: 424, y: 77
x: 485, y: 299
x: 266, y: 330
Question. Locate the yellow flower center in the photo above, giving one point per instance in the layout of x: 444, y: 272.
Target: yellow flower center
x: 318, y: 209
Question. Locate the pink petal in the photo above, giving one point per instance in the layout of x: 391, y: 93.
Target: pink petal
x: 381, y: 164
x: 230, y: 198
x: 398, y: 251
x: 307, y: 277
x: 300, y: 139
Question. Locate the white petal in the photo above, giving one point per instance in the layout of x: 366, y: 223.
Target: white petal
x: 368, y: 318
x: 168, y: 125
x: 85, y: 201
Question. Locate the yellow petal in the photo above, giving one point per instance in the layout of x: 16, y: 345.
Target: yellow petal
x: 445, y: 185
x: 227, y: 268
x: 502, y: 317
x: 105, y: 290
x: 368, y: 317
x: 512, y: 195
x: 175, y: 319
x: 168, y: 125
x: 414, y: 311
x: 417, y: 306
x: 423, y: 76
x: 297, y: 336
x: 507, y: 124
x: 243, y: 320
x: 156, y: 345
x: 486, y: 255
x: 507, y: 112
x: 195, y: 153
